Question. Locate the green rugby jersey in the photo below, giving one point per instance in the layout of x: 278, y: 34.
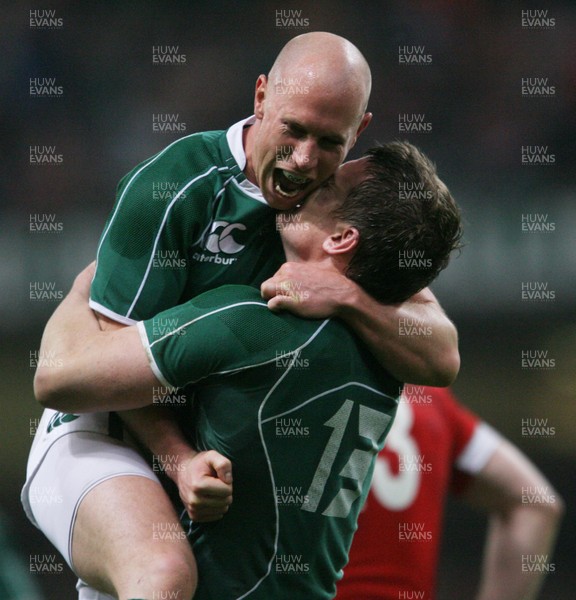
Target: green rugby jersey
x: 301, y: 408
x: 185, y: 221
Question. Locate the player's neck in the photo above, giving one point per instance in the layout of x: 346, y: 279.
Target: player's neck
x: 317, y: 260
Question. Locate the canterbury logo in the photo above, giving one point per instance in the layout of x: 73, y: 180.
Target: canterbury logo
x: 59, y: 419
x: 220, y: 237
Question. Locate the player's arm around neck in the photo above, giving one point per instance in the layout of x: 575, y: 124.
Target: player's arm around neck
x: 84, y: 369
x: 431, y: 359
x: 425, y: 355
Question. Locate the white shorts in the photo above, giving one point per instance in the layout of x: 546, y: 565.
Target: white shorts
x: 69, y: 457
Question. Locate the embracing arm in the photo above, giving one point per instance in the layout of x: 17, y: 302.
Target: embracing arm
x: 524, y: 516
x: 84, y: 369
x: 102, y: 370
x: 415, y: 340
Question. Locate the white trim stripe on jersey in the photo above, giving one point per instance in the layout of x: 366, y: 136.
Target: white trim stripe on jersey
x: 209, y: 314
x: 216, y: 197
x: 156, y: 369
x: 110, y: 313
x: 146, y: 345
x: 293, y: 353
x: 152, y: 254
x: 269, y: 463
x: 147, y: 163
x: 337, y: 389
x: 479, y: 449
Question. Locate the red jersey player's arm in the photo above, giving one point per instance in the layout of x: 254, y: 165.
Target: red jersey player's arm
x: 431, y: 359
x: 524, y: 516
x: 91, y: 369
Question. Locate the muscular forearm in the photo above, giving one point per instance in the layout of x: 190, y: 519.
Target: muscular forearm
x: 517, y: 555
x: 415, y: 340
x: 82, y: 368
x: 91, y: 370
x: 69, y: 331
x: 156, y: 428
x: 204, y: 479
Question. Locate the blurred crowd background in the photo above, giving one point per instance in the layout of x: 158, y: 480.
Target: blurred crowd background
x: 477, y: 92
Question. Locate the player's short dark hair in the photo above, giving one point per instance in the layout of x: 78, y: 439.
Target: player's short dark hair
x: 408, y: 222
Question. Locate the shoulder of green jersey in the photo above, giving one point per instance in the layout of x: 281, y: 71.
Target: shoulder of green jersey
x: 205, y: 316
x: 169, y: 207
x: 160, y: 232
x: 290, y: 353
x: 254, y: 365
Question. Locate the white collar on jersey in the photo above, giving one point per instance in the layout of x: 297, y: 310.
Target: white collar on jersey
x: 234, y: 139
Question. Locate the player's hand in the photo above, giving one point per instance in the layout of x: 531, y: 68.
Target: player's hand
x: 205, y: 485
x: 307, y: 290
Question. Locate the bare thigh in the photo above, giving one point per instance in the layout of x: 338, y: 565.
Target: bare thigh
x: 127, y: 540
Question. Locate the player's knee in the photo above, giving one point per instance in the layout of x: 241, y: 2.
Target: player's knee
x: 173, y: 574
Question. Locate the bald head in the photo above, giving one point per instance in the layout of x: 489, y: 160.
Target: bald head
x: 309, y: 112
x: 326, y: 61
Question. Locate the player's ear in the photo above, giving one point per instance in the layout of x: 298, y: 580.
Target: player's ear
x: 343, y: 240
x: 260, y: 96
x: 363, y: 124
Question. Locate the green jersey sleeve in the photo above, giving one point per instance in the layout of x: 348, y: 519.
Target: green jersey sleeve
x: 218, y: 332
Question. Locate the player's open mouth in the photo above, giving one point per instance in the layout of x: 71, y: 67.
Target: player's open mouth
x: 287, y: 184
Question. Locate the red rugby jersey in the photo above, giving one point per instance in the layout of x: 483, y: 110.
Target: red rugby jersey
x: 434, y: 445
